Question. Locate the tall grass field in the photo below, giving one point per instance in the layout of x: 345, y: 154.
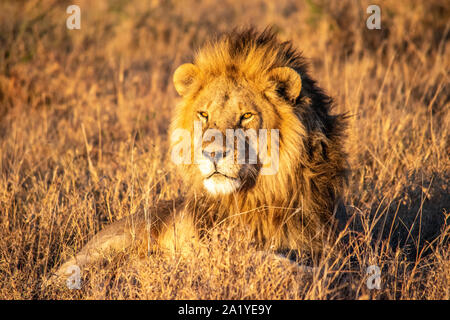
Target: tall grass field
x: 84, y: 116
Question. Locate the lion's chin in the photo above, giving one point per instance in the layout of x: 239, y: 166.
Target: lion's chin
x: 219, y: 184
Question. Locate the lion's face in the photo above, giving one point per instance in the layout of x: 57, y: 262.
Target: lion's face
x: 228, y: 111
x: 233, y: 129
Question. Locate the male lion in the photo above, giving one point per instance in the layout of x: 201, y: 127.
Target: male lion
x: 245, y: 80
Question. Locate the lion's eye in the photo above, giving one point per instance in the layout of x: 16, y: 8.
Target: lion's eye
x: 203, y: 115
x: 246, y: 116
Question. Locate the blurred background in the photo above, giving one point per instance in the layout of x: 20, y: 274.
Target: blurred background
x: 83, y: 137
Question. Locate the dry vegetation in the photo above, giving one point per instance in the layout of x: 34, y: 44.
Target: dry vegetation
x: 83, y: 142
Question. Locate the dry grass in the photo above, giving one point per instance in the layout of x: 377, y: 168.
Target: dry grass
x: 83, y: 142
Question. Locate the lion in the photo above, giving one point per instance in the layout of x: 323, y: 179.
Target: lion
x: 245, y: 81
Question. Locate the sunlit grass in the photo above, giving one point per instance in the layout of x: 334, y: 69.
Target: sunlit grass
x: 83, y: 142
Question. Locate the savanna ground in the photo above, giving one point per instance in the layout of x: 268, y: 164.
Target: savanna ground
x: 83, y: 142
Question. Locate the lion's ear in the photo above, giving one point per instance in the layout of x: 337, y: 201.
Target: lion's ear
x: 287, y: 81
x: 184, y: 77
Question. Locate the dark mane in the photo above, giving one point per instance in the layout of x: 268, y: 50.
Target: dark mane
x: 295, y: 207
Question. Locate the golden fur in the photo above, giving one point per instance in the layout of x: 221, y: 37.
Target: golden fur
x: 290, y: 210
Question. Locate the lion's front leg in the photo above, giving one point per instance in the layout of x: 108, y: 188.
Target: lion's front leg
x: 140, y: 229
x: 113, y: 238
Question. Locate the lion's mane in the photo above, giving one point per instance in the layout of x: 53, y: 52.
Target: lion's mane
x: 294, y: 208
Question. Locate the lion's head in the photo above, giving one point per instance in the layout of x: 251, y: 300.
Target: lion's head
x: 254, y: 131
